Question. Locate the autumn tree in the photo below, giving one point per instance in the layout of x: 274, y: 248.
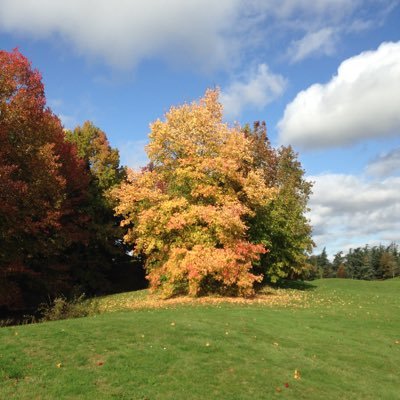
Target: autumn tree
x: 41, y: 183
x: 388, y: 265
x: 187, y: 211
x: 281, y: 225
x: 341, y: 271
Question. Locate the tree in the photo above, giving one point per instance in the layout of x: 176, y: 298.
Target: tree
x: 366, y: 271
x: 355, y: 263
x: 187, y: 211
x: 102, y: 161
x: 281, y: 225
x: 324, y: 264
x: 41, y: 182
x: 337, y: 266
x: 341, y: 271
x: 367, y: 263
x: 96, y: 261
x: 388, y: 265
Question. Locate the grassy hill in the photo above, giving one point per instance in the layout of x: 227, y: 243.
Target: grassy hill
x: 341, y: 336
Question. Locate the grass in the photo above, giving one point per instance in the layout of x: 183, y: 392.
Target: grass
x: 342, y: 336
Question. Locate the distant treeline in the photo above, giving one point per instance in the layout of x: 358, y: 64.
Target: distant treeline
x: 368, y: 263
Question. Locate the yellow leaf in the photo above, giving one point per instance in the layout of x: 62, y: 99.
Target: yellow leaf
x: 296, y: 374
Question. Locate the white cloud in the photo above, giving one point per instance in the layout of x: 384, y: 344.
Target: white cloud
x: 205, y: 34
x: 319, y: 42
x: 360, y: 102
x: 124, y: 32
x: 350, y: 211
x: 258, y: 88
x: 385, y: 165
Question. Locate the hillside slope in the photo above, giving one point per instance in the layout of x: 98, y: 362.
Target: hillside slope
x: 342, y: 337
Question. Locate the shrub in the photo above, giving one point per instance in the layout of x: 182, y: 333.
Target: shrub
x: 62, y: 308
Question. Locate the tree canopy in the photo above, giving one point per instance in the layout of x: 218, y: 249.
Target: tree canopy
x: 42, y: 180
x: 194, y: 212
x: 367, y: 263
x: 280, y: 225
x: 217, y: 209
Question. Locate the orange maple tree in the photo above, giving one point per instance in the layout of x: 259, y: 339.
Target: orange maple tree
x: 187, y: 210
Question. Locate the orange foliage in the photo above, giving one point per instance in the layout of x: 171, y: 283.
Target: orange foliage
x: 186, y: 212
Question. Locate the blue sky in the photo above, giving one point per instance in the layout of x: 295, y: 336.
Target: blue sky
x: 323, y: 74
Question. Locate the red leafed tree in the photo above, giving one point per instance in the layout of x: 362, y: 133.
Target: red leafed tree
x: 42, y: 182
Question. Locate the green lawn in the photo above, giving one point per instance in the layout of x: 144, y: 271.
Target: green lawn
x: 342, y: 336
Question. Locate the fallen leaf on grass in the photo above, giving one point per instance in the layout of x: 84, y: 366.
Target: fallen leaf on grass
x: 278, y: 389
x: 297, y: 374
x: 100, y: 363
x: 286, y: 385
x: 59, y: 365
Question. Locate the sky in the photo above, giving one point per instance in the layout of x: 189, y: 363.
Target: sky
x: 323, y: 74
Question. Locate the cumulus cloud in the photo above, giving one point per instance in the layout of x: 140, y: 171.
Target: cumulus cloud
x: 360, y: 102
x: 258, y: 88
x: 385, y: 165
x: 350, y: 211
x: 313, y: 43
x: 206, y: 34
x: 124, y: 32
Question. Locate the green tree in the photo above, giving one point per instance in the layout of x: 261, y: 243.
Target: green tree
x: 96, y: 260
x: 101, y: 159
x: 338, y: 261
x: 366, y: 270
x: 324, y: 265
x: 376, y: 254
x: 355, y: 263
x: 281, y: 225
